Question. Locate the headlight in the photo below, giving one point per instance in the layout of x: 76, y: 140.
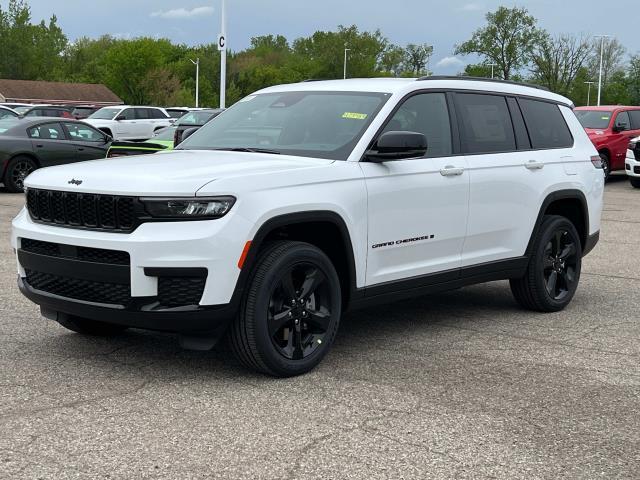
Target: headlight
x: 199, y: 208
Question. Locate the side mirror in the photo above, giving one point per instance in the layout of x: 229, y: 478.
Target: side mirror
x: 620, y: 127
x: 396, y: 146
x: 119, y: 118
x: 187, y: 133
x: 108, y: 138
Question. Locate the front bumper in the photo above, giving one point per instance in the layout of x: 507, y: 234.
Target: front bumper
x: 156, y: 252
x: 631, y: 164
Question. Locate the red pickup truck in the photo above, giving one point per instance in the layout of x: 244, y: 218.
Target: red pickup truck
x: 610, y: 128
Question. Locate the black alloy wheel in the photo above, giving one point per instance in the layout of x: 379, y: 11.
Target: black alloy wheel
x: 560, y: 264
x: 606, y: 166
x: 299, y: 311
x: 17, y: 170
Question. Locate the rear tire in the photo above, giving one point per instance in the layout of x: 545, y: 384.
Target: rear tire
x: 606, y: 165
x: 553, y: 273
x: 635, y: 182
x: 90, y: 327
x: 17, y: 170
x: 290, y: 313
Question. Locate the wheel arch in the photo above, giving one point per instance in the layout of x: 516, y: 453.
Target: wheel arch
x: 325, y: 229
x: 571, y: 204
x: 28, y: 154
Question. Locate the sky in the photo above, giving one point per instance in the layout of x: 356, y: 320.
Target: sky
x: 442, y: 24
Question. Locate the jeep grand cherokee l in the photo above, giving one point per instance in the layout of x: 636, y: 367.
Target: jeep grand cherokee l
x: 302, y: 201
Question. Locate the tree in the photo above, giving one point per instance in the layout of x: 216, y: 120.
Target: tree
x: 392, y: 60
x: 633, y: 75
x: 507, y: 40
x: 417, y: 58
x: 557, y: 61
x: 613, y: 55
x: 477, y: 70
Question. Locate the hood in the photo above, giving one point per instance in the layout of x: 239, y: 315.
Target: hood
x: 179, y: 173
x: 98, y: 122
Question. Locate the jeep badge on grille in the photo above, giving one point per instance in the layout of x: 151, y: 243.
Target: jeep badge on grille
x: 73, y: 181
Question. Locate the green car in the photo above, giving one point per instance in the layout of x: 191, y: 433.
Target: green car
x: 161, y: 141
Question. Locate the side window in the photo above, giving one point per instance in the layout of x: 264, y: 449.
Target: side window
x: 635, y: 119
x: 49, y: 131
x: 486, y: 123
x: 128, y: 114
x: 622, y: 121
x: 425, y: 113
x: 142, y: 114
x: 546, y: 125
x: 155, y: 113
x: 83, y: 133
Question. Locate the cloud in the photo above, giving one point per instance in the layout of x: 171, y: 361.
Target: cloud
x: 449, y: 62
x: 182, y: 13
x: 471, y: 7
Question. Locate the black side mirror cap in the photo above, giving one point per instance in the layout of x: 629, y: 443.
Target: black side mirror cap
x: 120, y: 118
x: 187, y: 133
x: 396, y: 145
x: 620, y: 128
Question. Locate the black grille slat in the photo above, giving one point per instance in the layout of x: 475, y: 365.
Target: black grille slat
x: 97, y: 292
x: 86, y: 254
x: 83, y: 210
x: 180, y: 291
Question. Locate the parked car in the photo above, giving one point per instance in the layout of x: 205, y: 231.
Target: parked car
x: 80, y: 112
x: 632, y: 162
x: 30, y: 143
x: 194, y: 119
x: 13, y: 106
x: 22, y: 109
x: 48, y: 111
x: 177, y: 112
x: 6, y: 112
x: 610, y: 128
x: 130, y: 123
x: 162, y: 140
x: 302, y: 201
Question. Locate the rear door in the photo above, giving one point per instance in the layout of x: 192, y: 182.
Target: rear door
x: 89, y: 143
x: 51, y: 144
x: 418, y: 207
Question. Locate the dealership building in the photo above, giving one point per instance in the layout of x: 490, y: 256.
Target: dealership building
x: 56, y: 93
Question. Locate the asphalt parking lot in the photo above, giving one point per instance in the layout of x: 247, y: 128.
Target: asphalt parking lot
x: 459, y: 385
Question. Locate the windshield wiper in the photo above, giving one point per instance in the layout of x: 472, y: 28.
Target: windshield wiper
x: 248, y: 149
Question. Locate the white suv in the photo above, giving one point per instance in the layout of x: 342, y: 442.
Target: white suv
x: 632, y: 162
x: 303, y: 200
x: 130, y: 123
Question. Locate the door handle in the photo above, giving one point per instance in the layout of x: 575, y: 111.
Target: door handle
x: 450, y: 171
x: 39, y: 145
x: 534, y: 165
x: 81, y: 149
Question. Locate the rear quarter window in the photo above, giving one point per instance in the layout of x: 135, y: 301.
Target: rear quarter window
x: 546, y: 125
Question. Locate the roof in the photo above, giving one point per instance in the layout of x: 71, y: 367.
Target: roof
x: 608, y: 108
x: 58, y: 92
x: 406, y: 85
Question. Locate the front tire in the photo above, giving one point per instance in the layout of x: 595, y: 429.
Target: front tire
x: 17, y: 170
x: 635, y: 182
x: 90, y: 327
x: 553, y: 273
x: 290, y: 313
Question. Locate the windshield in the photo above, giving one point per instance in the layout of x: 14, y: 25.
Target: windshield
x: 196, y: 118
x: 166, y: 133
x: 7, y: 113
x: 597, y: 119
x: 105, y: 114
x: 6, y: 124
x: 310, y: 124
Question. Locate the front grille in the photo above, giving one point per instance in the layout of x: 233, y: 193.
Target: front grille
x: 180, y: 291
x: 97, y: 292
x: 636, y: 170
x: 84, y: 210
x: 87, y: 254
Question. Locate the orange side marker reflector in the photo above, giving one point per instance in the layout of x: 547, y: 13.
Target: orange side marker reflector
x: 243, y: 256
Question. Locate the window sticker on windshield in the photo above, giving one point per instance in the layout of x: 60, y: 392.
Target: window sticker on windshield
x: 354, y: 116
x: 605, y: 118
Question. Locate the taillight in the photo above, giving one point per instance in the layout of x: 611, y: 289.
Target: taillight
x: 597, y: 161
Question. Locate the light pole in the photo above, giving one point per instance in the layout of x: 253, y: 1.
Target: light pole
x: 197, y: 64
x: 602, y: 37
x: 589, y: 93
x: 222, y: 46
x: 345, y: 62
x: 492, y: 65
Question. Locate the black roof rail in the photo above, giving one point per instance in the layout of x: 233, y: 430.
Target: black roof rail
x: 482, y: 79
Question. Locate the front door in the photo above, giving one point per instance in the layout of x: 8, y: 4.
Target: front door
x: 417, y: 208
x: 89, y: 143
